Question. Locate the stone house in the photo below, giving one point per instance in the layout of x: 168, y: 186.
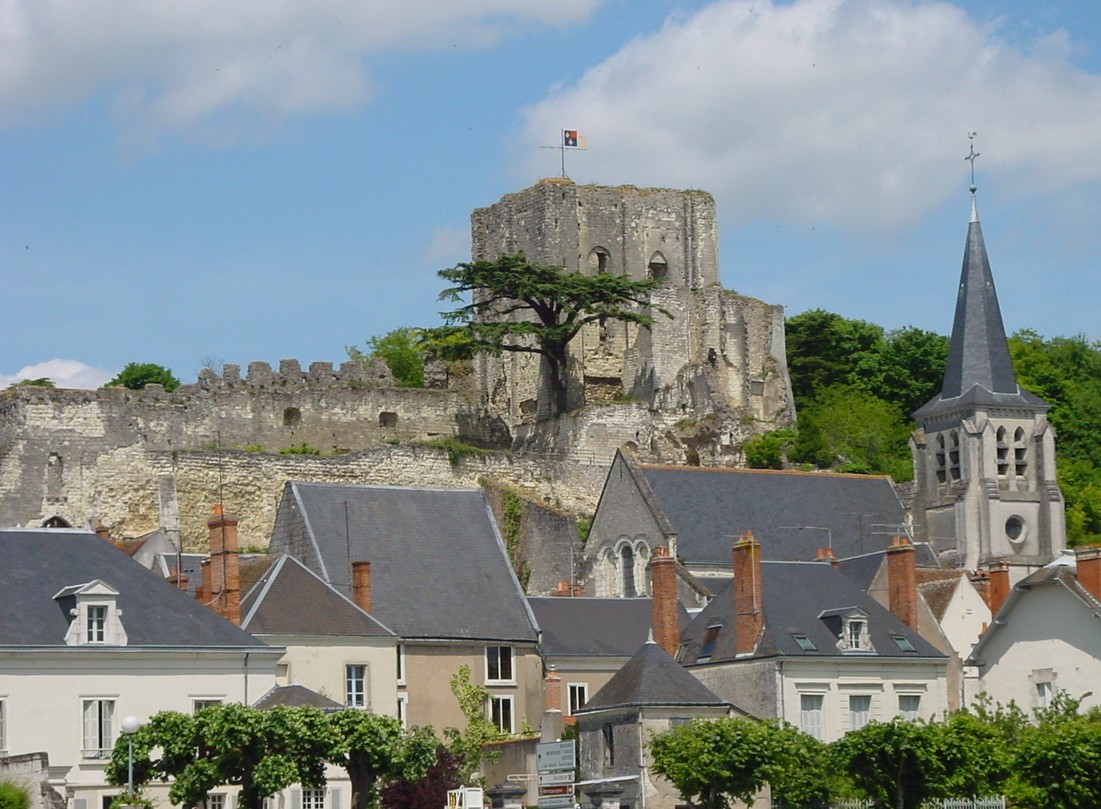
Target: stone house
x: 801, y: 642
x: 89, y: 637
x: 1046, y: 633
x: 438, y: 576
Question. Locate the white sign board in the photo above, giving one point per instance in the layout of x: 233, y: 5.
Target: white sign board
x: 555, y: 802
x: 555, y: 756
x: 549, y: 778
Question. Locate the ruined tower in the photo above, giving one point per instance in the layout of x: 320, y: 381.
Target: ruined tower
x: 984, y: 452
x: 720, y: 352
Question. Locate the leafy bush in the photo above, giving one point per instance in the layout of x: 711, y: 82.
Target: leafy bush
x: 300, y: 449
x: 136, y: 375
x: 13, y: 796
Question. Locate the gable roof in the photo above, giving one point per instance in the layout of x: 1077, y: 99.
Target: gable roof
x: 290, y: 599
x: 37, y: 564
x: 296, y: 696
x: 1059, y: 574
x: 594, y: 627
x: 439, y: 569
x: 651, y: 678
x: 797, y: 512
x: 799, y: 598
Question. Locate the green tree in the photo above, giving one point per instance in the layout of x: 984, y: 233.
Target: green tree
x: 13, y: 796
x: 136, y: 375
x: 262, y: 752
x: 849, y: 425
x: 468, y: 743
x: 825, y: 350
x: 712, y: 763
x: 374, y: 748
x: 429, y: 792
x: 769, y: 450
x: 896, y: 763
x: 538, y: 309
x: 1058, y: 763
x: 41, y: 382
x: 911, y: 368
x: 401, y: 351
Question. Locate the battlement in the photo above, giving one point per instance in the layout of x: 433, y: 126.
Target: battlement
x: 290, y: 374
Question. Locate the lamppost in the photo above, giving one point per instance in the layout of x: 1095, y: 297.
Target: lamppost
x: 130, y: 725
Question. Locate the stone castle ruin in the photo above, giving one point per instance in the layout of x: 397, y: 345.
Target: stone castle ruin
x: 689, y: 392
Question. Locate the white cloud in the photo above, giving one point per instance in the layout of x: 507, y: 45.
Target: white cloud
x: 63, y: 373
x: 180, y: 66
x: 850, y: 113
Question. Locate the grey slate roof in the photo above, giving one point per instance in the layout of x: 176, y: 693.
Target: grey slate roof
x: 979, y: 370
x: 438, y: 563
x: 296, y: 696
x: 862, y: 569
x: 795, y: 595
x: 290, y: 599
x: 788, y: 511
x: 651, y: 679
x: 594, y: 627
x: 35, y: 565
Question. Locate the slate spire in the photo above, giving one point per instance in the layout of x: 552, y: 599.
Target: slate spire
x: 979, y: 369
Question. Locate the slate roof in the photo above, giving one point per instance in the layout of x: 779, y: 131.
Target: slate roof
x: 937, y: 588
x: 795, y: 595
x: 863, y: 569
x: 651, y: 678
x: 594, y: 627
x: 979, y: 370
x: 290, y: 599
x: 439, y: 569
x: 788, y: 511
x: 36, y: 564
x: 296, y: 696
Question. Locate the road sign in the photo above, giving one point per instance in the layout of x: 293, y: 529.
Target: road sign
x: 546, y: 778
x: 552, y: 756
x: 555, y: 801
x: 556, y: 789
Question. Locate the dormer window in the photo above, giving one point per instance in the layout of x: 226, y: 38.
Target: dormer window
x: 97, y: 623
x: 856, y: 632
x: 93, y: 614
x: 850, y: 626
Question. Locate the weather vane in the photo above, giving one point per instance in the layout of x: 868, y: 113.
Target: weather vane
x: 971, y: 158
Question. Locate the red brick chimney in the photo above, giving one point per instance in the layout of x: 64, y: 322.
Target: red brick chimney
x: 999, y: 586
x: 206, y: 584
x: 749, y: 618
x: 178, y: 579
x: 361, y: 585
x: 902, y: 581
x: 552, y: 690
x: 1088, y: 561
x: 663, y: 589
x: 826, y: 555
x: 225, y: 567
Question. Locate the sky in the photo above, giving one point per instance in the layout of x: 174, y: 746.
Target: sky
x: 219, y: 181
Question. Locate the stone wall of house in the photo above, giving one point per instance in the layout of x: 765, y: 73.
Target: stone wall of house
x: 32, y: 772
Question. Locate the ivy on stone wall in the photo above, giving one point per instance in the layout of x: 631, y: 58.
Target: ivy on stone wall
x: 513, y: 510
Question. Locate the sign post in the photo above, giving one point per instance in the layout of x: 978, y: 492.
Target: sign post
x: 555, y: 762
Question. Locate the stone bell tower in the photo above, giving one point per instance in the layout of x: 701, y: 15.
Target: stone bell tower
x: 984, y: 452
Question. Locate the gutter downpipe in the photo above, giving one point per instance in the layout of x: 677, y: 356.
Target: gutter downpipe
x: 246, y: 677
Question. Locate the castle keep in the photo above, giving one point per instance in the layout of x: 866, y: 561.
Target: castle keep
x: 689, y: 391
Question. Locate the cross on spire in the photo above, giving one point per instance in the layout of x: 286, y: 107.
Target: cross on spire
x: 971, y: 158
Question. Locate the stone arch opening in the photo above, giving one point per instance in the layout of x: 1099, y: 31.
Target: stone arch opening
x: 56, y: 522
x: 292, y: 417
x: 55, y: 478
x: 599, y: 259
x: 658, y: 268
x: 387, y: 418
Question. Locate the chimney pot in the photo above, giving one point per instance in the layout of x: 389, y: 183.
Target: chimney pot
x: 225, y: 577
x: 663, y: 591
x: 749, y: 619
x: 361, y: 585
x: 902, y: 581
x: 999, y: 586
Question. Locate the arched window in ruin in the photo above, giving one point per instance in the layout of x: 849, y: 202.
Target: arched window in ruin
x: 387, y: 418
x: 56, y: 522
x: 292, y: 417
x: 599, y: 259
x: 55, y: 482
x: 658, y: 268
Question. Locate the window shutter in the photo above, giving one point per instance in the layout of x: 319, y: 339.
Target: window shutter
x: 91, y: 710
x: 334, y: 799
x: 296, y: 799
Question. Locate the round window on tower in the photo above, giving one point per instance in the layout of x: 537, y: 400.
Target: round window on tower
x: 1015, y: 529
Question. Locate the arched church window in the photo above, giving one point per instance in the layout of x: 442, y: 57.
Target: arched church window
x: 598, y: 260
x: 658, y: 268
x: 939, y: 460
x: 55, y: 482
x: 1020, y: 452
x: 1002, y: 453
x: 954, y: 455
x: 627, y: 571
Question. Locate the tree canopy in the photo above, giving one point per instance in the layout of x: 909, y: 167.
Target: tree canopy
x: 536, y: 308
x: 375, y: 750
x: 400, y: 349
x: 136, y: 375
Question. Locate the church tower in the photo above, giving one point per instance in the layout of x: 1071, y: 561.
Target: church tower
x: 984, y: 452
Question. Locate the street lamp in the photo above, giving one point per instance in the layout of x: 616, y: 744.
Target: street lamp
x: 130, y: 725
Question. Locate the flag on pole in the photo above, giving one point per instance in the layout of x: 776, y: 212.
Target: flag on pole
x: 571, y: 140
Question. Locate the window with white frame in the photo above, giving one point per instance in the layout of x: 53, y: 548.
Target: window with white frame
x: 1045, y: 692
x: 99, y: 719
x: 579, y: 695
x: 500, y: 712
x: 403, y: 709
x: 3, y: 731
x: 355, y: 685
x: 855, y: 631
x: 313, y: 799
x: 810, y: 714
x: 215, y: 800
x: 96, y: 623
x: 401, y: 664
x: 909, y: 706
x: 860, y: 710
x: 499, y: 664
x: 198, y: 703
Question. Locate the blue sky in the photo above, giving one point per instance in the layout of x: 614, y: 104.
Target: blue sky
x: 213, y: 181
